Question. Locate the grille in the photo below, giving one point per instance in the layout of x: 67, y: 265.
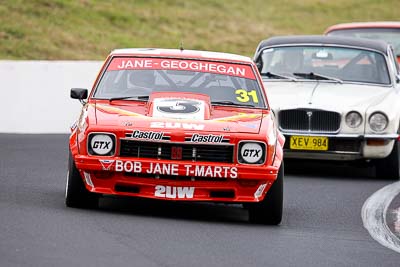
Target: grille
x: 336, y: 144
x: 309, y: 120
x: 163, y: 150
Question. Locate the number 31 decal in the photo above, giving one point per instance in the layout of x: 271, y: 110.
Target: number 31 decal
x: 244, y: 96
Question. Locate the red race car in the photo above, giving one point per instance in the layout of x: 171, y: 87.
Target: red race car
x: 177, y: 125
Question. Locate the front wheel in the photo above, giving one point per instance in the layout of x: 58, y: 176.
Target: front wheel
x: 76, y: 194
x: 389, y: 167
x: 269, y: 211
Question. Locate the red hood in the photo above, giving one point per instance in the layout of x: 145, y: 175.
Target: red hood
x: 177, y: 111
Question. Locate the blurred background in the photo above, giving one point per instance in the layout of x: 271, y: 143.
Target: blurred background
x: 88, y: 30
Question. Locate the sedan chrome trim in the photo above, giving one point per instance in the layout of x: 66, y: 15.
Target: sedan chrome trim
x: 335, y: 155
x: 356, y: 136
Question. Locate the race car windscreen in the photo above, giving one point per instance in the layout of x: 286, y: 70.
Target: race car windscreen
x: 323, y: 63
x: 225, y: 83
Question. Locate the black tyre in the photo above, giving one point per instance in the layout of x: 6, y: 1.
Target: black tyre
x: 269, y: 211
x: 389, y: 167
x: 76, y: 194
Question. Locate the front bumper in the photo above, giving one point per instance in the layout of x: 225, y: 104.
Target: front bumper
x: 345, y: 147
x: 174, y: 180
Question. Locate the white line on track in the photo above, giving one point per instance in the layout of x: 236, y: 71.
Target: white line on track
x: 373, y: 214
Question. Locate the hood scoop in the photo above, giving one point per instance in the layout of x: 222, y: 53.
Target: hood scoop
x: 183, y: 105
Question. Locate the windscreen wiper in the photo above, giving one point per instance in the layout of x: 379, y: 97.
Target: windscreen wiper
x: 134, y: 97
x: 230, y: 103
x: 316, y: 76
x: 278, y: 76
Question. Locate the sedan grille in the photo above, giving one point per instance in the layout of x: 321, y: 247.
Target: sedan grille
x: 177, y: 151
x: 309, y: 120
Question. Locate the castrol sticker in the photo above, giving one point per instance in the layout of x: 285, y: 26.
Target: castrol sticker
x: 147, y: 135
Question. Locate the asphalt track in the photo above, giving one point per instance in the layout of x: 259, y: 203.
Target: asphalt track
x: 322, y: 225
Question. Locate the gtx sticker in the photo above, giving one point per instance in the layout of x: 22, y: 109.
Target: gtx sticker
x: 179, y: 108
x: 106, y: 164
x: 174, y: 191
x: 147, y: 135
x: 176, y: 169
x: 251, y: 152
x: 101, y: 144
x: 210, y: 138
x: 176, y: 125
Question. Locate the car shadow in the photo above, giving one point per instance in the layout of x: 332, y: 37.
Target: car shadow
x: 190, y: 211
x: 331, y: 169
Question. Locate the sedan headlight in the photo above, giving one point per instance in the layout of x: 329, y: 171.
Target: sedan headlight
x: 101, y: 144
x: 378, y: 121
x: 251, y: 152
x: 353, y: 119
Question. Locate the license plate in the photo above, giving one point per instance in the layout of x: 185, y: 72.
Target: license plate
x: 309, y: 142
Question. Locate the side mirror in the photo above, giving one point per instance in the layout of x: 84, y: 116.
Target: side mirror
x: 79, y: 93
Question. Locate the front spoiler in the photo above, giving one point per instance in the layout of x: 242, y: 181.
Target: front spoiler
x: 103, y: 176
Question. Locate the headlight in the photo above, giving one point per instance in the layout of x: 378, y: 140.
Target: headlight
x: 353, y: 119
x: 378, y: 121
x: 251, y: 152
x: 101, y: 144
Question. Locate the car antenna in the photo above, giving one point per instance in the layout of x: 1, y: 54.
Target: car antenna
x: 181, y: 46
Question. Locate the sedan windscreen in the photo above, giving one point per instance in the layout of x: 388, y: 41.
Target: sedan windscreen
x: 137, y: 78
x: 339, y: 63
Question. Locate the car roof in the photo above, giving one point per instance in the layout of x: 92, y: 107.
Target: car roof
x: 178, y: 53
x: 358, y: 25
x: 378, y: 45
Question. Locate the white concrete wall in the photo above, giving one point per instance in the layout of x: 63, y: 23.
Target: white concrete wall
x: 35, y: 94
